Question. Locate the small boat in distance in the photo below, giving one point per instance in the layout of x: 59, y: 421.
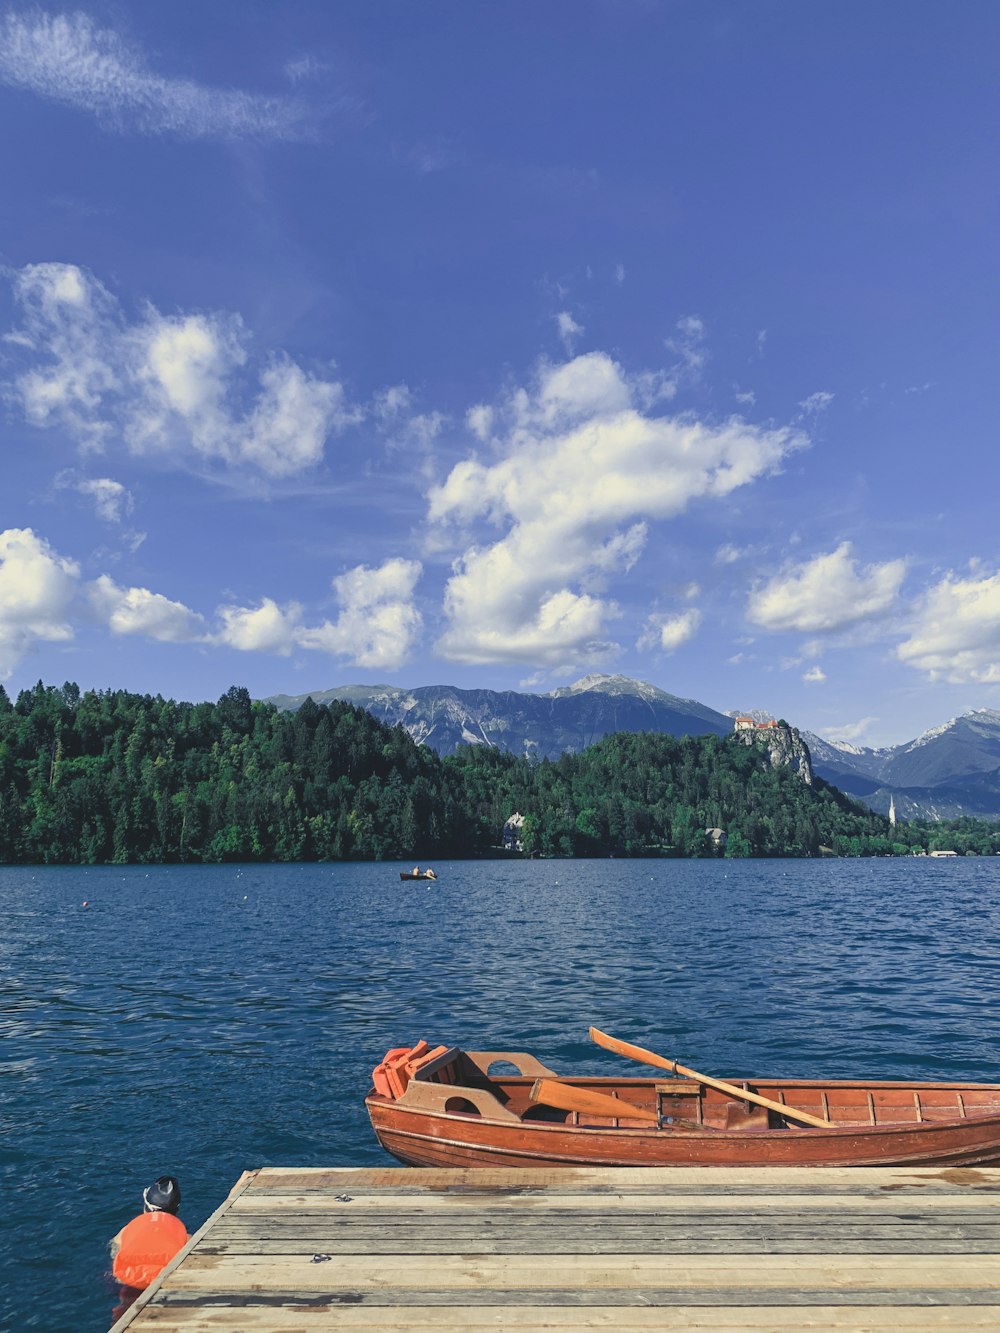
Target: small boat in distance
x: 417, y: 873
x: 447, y: 1107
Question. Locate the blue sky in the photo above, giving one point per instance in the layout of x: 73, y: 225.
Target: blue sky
x: 497, y: 344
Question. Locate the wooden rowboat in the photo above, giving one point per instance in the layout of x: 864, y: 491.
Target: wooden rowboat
x: 450, y: 1110
x: 424, y: 874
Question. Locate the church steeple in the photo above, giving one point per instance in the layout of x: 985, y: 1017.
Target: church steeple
x: 892, y: 809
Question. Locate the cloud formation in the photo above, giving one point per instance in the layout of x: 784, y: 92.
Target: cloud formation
x: 139, y: 611
x: 816, y: 402
x: 584, y: 467
x: 378, y: 623
x: 44, y: 598
x: 956, y: 635
x: 850, y: 733
x: 264, y: 629
x: 670, y: 632
x: 112, y: 501
x: 569, y: 330
x: 69, y: 59
x: 37, y: 590
x: 166, y: 384
x: 829, y: 592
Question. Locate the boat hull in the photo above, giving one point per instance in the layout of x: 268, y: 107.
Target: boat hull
x: 431, y: 1140
x: 425, y: 1135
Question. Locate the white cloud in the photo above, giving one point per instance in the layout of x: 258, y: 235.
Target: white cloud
x: 584, y: 470
x: 68, y: 58
x: 112, y: 501
x: 43, y: 599
x: 392, y: 403
x: 402, y: 427
x: 378, y: 623
x: 588, y: 386
x: 425, y: 427
x: 305, y: 68
x: 829, y: 592
x: 851, y: 732
x: 670, y: 632
x: 479, y: 420
x: 167, y: 384
x: 728, y: 554
x: 68, y: 320
x: 816, y: 402
x: 289, y: 424
x: 619, y: 273
x: 37, y: 590
x: 745, y: 397
x: 139, y: 611
x: 814, y: 676
x: 956, y: 635
x: 688, y: 347
x: 569, y: 329
x: 264, y: 629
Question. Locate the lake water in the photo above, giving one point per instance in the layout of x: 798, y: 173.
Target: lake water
x: 207, y: 1020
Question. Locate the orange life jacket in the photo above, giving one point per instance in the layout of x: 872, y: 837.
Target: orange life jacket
x: 148, y: 1244
x: 392, y: 1076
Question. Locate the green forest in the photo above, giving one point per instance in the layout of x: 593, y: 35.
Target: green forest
x: 115, y: 777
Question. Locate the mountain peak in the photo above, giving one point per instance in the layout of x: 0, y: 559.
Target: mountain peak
x: 597, y: 682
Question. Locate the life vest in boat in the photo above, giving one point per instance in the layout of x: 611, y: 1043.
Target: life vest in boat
x: 392, y: 1075
x: 147, y: 1244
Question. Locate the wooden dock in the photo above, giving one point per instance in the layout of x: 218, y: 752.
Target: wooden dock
x: 567, y: 1248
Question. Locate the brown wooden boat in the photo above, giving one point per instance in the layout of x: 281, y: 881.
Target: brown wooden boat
x: 423, y: 874
x: 451, y: 1110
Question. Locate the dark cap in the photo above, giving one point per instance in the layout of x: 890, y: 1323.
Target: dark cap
x: 163, y: 1196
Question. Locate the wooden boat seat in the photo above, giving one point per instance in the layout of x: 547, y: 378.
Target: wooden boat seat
x: 738, y: 1117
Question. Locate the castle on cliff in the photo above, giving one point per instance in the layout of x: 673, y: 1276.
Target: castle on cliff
x: 748, y: 724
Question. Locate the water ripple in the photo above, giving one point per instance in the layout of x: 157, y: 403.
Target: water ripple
x: 208, y: 1020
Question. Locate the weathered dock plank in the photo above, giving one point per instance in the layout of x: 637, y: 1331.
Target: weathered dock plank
x: 670, y: 1248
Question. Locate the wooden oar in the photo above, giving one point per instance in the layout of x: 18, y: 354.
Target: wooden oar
x: 741, y: 1094
x: 568, y: 1098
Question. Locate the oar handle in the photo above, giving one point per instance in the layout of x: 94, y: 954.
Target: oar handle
x: 740, y: 1094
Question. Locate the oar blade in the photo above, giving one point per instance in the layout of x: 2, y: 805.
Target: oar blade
x: 625, y: 1048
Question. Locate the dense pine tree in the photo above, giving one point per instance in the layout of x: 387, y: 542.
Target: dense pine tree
x: 110, y: 776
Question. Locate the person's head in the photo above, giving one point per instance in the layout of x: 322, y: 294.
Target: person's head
x: 163, y: 1196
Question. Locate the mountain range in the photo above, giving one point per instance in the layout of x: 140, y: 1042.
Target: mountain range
x: 951, y: 770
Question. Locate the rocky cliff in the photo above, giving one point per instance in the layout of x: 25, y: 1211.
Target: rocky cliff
x: 784, y: 746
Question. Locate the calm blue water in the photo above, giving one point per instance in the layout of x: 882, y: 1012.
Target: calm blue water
x: 203, y: 1021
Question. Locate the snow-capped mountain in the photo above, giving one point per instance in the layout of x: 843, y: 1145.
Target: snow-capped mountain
x: 569, y: 718
x: 950, y: 770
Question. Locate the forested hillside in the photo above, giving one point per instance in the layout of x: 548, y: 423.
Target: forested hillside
x: 120, y: 777
x: 634, y: 793
x: 111, y: 776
